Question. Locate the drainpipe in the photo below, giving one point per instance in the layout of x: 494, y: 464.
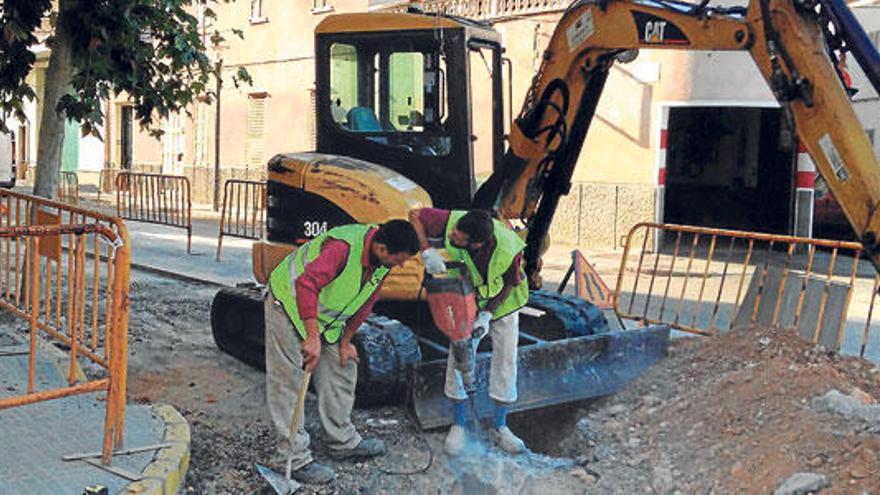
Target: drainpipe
x: 219, y: 77
x: 108, y: 147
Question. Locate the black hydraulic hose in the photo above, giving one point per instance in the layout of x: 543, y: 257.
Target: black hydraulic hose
x: 559, y: 180
x: 857, y: 41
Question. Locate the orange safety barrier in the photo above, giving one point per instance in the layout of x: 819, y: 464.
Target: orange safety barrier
x: 66, y: 271
x: 155, y: 198
x: 703, y: 280
x: 68, y: 188
x: 244, y: 210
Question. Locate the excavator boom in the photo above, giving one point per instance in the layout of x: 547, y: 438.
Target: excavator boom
x: 792, y: 44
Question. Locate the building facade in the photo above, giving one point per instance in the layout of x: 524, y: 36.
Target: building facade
x: 683, y: 137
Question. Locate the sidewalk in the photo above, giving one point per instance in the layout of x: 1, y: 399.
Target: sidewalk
x: 162, y: 249
x: 33, y: 438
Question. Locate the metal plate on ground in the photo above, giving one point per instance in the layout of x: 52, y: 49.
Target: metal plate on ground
x: 549, y: 373
x: 818, y: 292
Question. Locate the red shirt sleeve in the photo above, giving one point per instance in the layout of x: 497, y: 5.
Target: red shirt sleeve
x: 434, y: 220
x: 319, y: 273
x: 512, y: 276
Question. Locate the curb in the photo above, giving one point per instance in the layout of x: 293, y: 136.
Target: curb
x: 165, y: 475
x: 176, y: 275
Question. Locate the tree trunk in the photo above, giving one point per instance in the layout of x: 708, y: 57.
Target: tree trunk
x: 51, y: 137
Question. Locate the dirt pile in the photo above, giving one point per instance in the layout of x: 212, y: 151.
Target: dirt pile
x: 738, y: 413
x: 732, y: 414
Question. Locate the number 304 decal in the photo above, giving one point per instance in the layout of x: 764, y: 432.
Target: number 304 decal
x: 314, y: 229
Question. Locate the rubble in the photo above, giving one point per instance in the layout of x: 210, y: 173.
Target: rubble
x: 736, y: 413
x: 850, y: 407
x: 730, y: 414
x: 802, y: 484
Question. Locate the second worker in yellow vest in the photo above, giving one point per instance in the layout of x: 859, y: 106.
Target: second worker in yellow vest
x: 493, y: 254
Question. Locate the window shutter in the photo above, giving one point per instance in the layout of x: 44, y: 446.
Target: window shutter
x: 256, y: 130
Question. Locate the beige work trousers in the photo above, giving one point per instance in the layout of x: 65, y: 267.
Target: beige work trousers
x: 333, y: 383
x: 502, y: 365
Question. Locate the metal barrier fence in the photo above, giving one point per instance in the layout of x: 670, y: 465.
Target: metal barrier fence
x: 244, y: 210
x: 704, y: 280
x: 68, y: 188
x: 155, y: 198
x: 65, y: 270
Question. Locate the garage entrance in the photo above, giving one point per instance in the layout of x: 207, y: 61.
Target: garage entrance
x: 730, y: 167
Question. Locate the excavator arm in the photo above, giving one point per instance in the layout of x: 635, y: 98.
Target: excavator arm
x: 792, y: 43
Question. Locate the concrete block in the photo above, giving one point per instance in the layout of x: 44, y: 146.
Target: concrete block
x: 635, y: 203
x: 564, y: 229
x: 597, y: 218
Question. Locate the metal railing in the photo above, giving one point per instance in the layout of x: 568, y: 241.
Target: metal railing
x: 488, y: 9
x: 155, y: 198
x: 704, y: 280
x: 244, y: 210
x: 68, y: 188
x: 65, y: 270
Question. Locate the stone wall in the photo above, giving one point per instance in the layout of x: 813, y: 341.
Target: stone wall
x: 597, y: 217
x: 202, y: 180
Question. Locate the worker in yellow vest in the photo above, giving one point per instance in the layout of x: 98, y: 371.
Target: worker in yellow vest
x: 318, y: 297
x: 493, y: 254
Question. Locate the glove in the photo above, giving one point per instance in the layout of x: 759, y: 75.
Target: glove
x: 481, y: 325
x: 433, y: 261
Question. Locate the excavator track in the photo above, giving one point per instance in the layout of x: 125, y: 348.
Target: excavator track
x: 388, y: 349
x: 388, y: 352
x: 566, y: 316
x: 238, y: 324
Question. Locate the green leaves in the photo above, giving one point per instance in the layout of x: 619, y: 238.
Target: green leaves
x: 151, y: 51
x: 18, y: 26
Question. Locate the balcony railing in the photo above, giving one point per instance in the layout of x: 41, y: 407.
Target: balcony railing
x: 485, y: 9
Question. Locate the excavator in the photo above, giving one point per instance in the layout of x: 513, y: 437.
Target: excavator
x: 394, y: 132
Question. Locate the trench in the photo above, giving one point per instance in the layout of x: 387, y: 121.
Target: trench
x: 546, y: 430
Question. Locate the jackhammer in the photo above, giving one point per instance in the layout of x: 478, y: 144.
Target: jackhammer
x: 454, y: 310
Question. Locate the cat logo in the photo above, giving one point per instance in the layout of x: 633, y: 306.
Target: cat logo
x: 653, y: 30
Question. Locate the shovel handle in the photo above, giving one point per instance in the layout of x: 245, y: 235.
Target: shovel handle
x: 300, y: 402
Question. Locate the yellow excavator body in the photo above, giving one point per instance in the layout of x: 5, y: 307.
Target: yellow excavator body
x: 369, y: 193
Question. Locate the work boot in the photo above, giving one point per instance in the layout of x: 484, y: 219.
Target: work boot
x: 507, y: 441
x: 314, y: 473
x: 454, y: 440
x: 369, y: 447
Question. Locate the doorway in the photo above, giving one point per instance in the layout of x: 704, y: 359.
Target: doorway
x: 730, y: 167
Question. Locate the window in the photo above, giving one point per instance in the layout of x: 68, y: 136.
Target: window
x: 321, y: 6
x: 255, y: 142
x: 258, y: 11
x: 201, y: 133
x: 405, y: 81
x: 391, y: 95
x: 172, y: 144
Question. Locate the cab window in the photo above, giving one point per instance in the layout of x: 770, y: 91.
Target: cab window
x: 391, y: 93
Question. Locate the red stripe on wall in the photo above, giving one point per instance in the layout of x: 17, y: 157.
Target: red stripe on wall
x: 661, y: 177
x: 664, y: 135
x: 805, y: 180
x: 801, y: 147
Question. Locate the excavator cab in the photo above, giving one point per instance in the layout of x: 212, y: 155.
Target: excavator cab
x: 396, y: 91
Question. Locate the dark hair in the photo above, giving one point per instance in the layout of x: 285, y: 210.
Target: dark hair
x: 477, y: 224
x: 398, y: 236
